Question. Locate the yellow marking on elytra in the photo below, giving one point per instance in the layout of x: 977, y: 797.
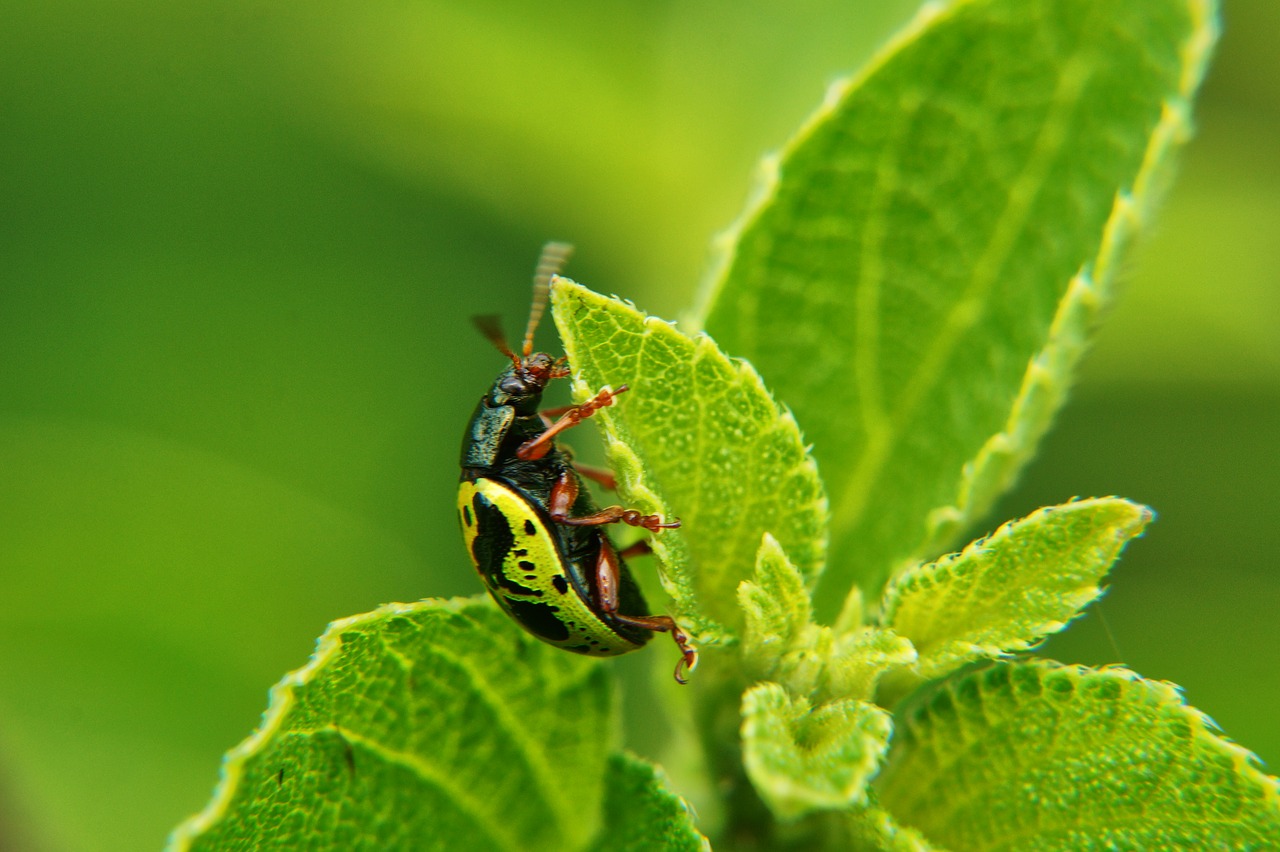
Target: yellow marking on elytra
x: 532, y: 573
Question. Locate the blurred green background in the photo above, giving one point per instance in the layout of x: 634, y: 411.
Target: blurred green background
x: 239, y: 246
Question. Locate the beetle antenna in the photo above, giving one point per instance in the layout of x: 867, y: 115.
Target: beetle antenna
x: 490, y: 326
x: 550, y: 262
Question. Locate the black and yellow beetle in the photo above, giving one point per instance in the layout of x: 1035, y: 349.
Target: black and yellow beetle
x: 535, y: 535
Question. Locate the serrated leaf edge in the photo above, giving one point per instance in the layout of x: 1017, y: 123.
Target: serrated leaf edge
x: 790, y: 797
x: 281, y: 699
x: 674, y: 573
x: 775, y: 583
x: 1046, y: 380
x: 661, y: 780
x: 1166, y: 693
x: 769, y: 169
x: 950, y: 654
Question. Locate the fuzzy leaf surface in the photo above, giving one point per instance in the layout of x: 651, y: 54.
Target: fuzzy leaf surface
x: 775, y: 605
x: 1037, y: 755
x: 698, y: 437
x: 1010, y: 590
x: 432, y: 725
x: 803, y: 758
x: 641, y: 814
x: 924, y: 260
x: 873, y: 828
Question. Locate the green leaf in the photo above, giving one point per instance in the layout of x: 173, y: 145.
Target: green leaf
x: 862, y: 657
x: 780, y: 642
x: 1010, y: 590
x: 699, y: 437
x: 775, y: 606
x: 873, y: 828
x: 640, y: 814
x: 918, y: 274
x: 432, y: 725
x: 803, y: 758
x: 1036, y: 755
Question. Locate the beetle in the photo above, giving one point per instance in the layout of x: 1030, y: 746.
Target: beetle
x: 534, y: 533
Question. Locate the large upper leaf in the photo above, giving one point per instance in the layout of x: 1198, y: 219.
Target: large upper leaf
x: 433, y: 725
x: 698, y: 437
x: 1035, y: 755
x: 925, y: 258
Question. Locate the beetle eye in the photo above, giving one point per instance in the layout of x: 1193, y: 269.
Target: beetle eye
x: 512, y: 385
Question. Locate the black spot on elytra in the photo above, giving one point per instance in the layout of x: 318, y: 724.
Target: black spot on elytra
x: 466, y: 516
x: 493, y: 539
x: 530, y: 528
x: 539, y: 619
x: 527, y: 565
x: 561, y: 584
x: 515, y: 588
x: 520, y: 551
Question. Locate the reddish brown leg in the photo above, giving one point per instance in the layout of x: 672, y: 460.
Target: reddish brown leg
x: 549, y: 415
x: 607, y: 572
x: 601, y: 475
x: 565, y: 492
x: 541, y: 445
x: 640, y: 548
x: 666, y: 624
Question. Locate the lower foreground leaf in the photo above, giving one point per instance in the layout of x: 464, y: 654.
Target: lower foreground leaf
x: 1038, y: 755
x: 432, y: 725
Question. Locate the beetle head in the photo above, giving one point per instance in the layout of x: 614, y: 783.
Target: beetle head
x: 522, y: 383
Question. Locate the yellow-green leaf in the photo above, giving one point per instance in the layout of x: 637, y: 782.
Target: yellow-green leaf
x: 1041, y: 756
x: 1008, y: 591
x: 776, y: 608
x: 641, y: 814
x: 433, y: 725
x: 803, y: 758
x: 698, y: 437
x: 925, y: 259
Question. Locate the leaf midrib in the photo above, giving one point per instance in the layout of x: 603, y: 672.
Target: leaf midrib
x: 534, y: 757
x: 429, y: 772
x: 851, y: 504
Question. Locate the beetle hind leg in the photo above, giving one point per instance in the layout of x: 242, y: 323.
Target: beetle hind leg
x: 607, y: 581
x: 666, y: 624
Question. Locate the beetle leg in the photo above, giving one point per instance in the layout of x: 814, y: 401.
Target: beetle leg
x: 640, y: 548
x: 602, y: 475
x: 565, y: 493
x: 541, y: 445
x: 549, y: 415
x: 607, y: 572
x: 617, y: 514
x: 666, y: 624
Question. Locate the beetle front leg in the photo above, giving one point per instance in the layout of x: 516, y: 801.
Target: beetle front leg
x: 606, y: 583
x: 572, y: 416
x: 565, y: 493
